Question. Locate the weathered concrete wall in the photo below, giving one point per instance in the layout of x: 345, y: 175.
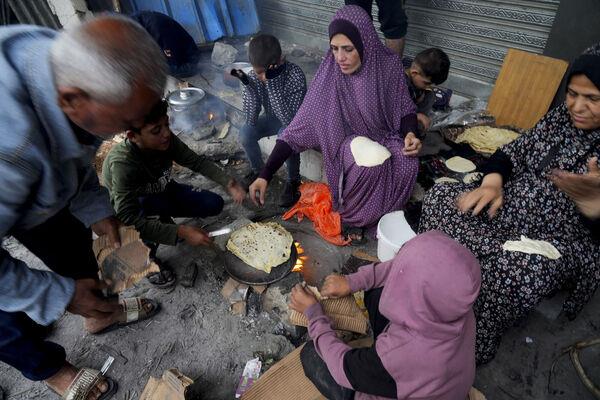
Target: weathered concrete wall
x: 70, y: 12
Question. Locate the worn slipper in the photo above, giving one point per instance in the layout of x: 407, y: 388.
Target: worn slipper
x: 135, y: 312
x: 358, y: 233
x: 85, y: 380
x: 163, y: 279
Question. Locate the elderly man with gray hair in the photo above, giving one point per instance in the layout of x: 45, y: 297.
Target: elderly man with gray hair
x: 63, y: 93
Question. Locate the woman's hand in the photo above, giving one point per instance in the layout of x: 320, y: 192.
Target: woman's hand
x: 258, y: 189
x: 301, y: 298
x: 424, y: 120
x: 489, y: 193
x: 335, y: 286
x: 236, y: 191
x: 582, y: 189
x: 412, y: 145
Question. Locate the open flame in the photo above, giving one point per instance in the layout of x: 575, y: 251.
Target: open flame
x: 301, y: 260
x: 211, y: 116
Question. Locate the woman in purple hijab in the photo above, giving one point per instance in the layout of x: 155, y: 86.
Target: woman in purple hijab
x: 359, y: 91
x: 421, y: 312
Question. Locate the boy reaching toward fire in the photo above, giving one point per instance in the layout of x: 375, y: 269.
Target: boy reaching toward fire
x: 137, y: 173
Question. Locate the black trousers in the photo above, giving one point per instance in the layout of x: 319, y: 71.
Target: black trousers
x: 315, y: 368
x: 392, y: 17
x: 64, y: 244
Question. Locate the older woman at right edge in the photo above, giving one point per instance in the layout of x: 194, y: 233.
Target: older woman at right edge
x: 544, y: 186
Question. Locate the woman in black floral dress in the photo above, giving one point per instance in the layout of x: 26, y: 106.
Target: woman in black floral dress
x: 521, y: 191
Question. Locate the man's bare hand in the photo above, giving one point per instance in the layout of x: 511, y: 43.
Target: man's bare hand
x: 88, y: 302
x: 108, y: 226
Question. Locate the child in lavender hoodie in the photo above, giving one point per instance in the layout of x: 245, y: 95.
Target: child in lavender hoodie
x: 420, y: 309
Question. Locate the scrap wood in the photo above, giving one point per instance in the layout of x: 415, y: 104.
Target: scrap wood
x: 171, y: 386
x: 127, y: 265
x: 224, y: 130
x: 573, y: 352
x: 363, y: 255
x: 344, y: 314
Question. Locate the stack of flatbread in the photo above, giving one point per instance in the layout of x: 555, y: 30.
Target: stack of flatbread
x: 261, y: 245
x: 486, y: 139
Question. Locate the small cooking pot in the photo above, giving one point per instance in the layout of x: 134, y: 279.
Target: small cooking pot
x: 186, y: 110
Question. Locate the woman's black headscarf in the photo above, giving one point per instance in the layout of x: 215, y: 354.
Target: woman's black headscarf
x: 588, y: 64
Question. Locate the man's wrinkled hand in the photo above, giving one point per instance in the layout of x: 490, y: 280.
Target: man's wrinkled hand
x: 88, y: 302
x: 108, y: 226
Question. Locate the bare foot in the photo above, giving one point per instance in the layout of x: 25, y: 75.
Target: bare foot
x: 62, y: 379
x: 94, y: 325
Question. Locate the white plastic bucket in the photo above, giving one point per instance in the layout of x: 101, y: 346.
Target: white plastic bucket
x: 392, y: 232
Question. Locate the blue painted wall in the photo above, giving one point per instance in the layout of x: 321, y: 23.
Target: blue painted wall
x: 205, y: 20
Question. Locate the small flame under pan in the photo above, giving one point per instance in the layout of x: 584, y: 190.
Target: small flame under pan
x: 242, y: 272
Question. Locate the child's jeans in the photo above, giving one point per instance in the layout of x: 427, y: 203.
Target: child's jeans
x: 180, y: 201
x: 249, y: 137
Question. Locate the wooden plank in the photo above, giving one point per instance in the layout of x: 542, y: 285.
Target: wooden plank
x: 525, y: 88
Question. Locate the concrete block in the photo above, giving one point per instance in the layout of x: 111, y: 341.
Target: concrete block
x: 223, y: 54
x: 311, y: 161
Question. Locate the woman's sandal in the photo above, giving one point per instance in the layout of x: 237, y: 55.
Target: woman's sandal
x: 349, y: 231
x: 85, y: 380
x: 135, y: 312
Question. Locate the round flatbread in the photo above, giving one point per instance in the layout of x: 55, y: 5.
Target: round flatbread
x: 261, y: 245
x: 487, y: 139
x: 368, y: 153
x: 445, y: 179
x: 472, y: 177
x: 459, y: 164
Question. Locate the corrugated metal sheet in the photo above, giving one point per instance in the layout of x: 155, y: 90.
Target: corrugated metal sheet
x: 36, y: 12
x: 476, y: 34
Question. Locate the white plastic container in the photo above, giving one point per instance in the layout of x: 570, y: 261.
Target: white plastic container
x: 392, y: 232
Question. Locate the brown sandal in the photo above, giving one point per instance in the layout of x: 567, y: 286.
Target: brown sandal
x: 134, y: 309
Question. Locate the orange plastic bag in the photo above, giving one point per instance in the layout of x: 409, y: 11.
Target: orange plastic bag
x: 315, y: 203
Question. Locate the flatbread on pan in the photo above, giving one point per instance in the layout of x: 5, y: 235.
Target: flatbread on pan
x: 261, y: 245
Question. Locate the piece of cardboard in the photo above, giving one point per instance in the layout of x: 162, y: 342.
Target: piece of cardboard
x: 525, y: 88
x: 284, y: 380
x: 171, y: 386
x: 344, y: 313
x: 127, y: 265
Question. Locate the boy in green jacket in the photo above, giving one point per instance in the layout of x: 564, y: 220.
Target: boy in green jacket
x: 137, y: 173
